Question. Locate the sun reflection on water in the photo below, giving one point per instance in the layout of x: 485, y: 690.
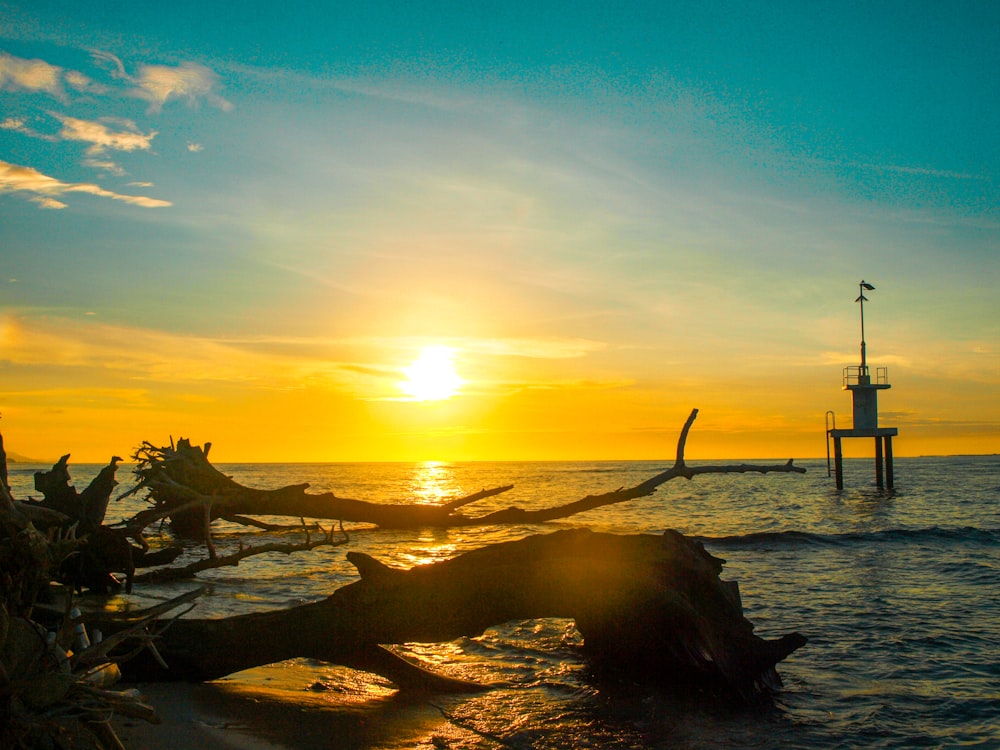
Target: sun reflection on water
x: 433, y: 482
x: 431, y: 548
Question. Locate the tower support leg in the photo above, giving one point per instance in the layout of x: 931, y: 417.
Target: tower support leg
x: 878, y: 463
x: 888, y: 461
x: 838, y: 462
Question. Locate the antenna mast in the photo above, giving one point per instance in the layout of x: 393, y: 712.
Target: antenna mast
x: 862, y: 299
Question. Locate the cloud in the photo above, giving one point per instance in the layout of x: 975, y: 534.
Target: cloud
x: 156, y: 84
x: 189, y: 81
x: 20, y: 74
x: 47, y: 202
x: 43, y: 189
x: 29, y: 75
x: 898, y: 169
x: 537, y: 348
x: 80, y: 82
x: 142, y: 354
x: 367, y: 367
x: 106, y: 59
x: 100, y: 136
x: 540, y: 347
x: 194, y: 148
x: 105, y: 165
x: 18, y: 125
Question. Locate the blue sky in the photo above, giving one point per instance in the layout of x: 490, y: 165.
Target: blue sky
x: 212, y: 214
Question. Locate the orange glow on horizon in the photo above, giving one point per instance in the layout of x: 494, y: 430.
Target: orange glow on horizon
x: 521, y: 399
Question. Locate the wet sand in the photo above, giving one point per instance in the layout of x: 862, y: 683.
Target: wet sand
x: 235, y: 716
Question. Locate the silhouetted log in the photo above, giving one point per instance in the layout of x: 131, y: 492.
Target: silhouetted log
x: 88, y: 507
x: 647, y: 606
x: 4, y: 487
x: 99, y: 551
x: 182, y: 484
x: 187, y: 488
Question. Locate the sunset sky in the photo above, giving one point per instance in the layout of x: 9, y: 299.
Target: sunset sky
x: 245, y: 222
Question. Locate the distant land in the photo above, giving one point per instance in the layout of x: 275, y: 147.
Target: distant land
x: 957, y: 455
x: 17, y: 458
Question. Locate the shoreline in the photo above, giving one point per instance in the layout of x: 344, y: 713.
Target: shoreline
x: 186, y: 721
x: 235, y: 715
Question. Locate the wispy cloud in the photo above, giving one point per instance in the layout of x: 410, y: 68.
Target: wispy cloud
x: 30, y: 75
x: 45, y: 190
x: 140, y: 354
x: 110, y: 62
x: 101, y: 136
x: 899, y: 169
x: 80, y: 82
x: 19, y: 125
x: 188, y: 82
x: 20, y: 74
x: 158, y: 84
x: 368, y: 367
x: 155, y: 84
x: 536, y: 348
x: 105, y: 165
x: 541, y: 347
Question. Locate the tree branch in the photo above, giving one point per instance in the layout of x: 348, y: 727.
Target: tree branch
x: 215, y: 561
x: 181, y: 481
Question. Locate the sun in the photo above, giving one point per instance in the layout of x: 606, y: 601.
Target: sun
x: 432, y: 376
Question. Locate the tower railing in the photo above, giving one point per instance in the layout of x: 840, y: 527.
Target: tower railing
x: 856, y: 374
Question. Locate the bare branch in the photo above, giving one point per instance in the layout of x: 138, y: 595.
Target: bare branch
x: 215, y: 561
x: 474, y: 497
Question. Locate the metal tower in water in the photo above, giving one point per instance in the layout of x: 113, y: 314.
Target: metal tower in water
x: 864, y: 389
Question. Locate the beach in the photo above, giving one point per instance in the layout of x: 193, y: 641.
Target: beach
x: 295, y: 704
x: 187, y: 721
x: 231, y: 716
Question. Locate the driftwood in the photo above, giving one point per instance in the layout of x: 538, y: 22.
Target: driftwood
x: 52, y: 684
x: 92, y: 553
x: 86, y: 508
x: 101, y: 551
x: 646, y: 605
x: 183, y: 485
x: 326, y: 539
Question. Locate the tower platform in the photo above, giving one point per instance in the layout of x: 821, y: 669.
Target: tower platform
x: 883, y: 458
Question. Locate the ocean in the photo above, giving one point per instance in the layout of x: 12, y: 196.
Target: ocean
x: 898, y: 594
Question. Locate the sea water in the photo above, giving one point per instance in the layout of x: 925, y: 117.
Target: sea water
x: 897, y: 592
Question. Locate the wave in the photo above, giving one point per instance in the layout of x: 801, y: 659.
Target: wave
x: 959, y: 535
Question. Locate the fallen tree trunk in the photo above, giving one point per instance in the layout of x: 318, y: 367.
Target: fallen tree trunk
x: 646, y: 605
x: 184, y: 486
